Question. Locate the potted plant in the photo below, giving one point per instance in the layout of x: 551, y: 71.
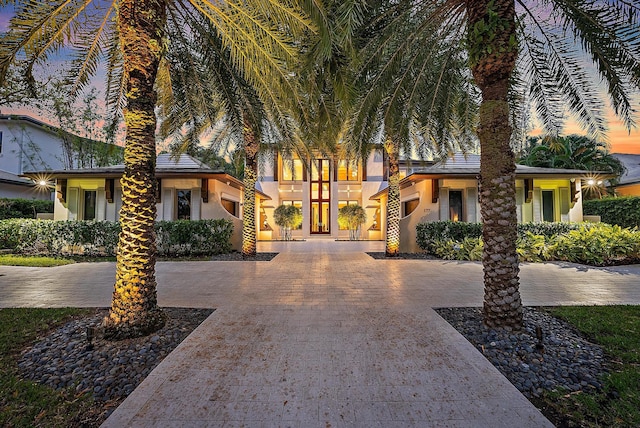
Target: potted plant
x: 288, y: 217
x: 352, y: 217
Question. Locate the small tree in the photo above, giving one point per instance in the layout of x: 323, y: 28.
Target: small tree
x: 288, y: 217
x: 352, y: 217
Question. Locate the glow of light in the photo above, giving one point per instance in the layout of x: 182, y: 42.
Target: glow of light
x: 591, y: 182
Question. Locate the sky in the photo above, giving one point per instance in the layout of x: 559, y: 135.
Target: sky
x: 620, y: 139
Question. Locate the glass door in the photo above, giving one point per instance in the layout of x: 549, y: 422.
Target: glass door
x: 320, y: 197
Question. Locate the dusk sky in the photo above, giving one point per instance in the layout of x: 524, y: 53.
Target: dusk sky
x: 619, y: 138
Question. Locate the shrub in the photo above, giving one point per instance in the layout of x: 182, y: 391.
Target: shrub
x: 92, y: 238
x: 352, y: 217
x: 429, y: 233
x: 468, y: 249
x: 591, y: 244
x: 598, y: 245
x: 287, y: 217
x: 622, y: 211
x: 23, y: 208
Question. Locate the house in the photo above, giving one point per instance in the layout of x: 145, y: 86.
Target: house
x: 446, y: 190
x: 28, y: 145
x: 629, y: 184
x: 187, y: 190
x: 430, y: 191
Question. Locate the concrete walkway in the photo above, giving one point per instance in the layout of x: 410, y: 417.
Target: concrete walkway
x: 323, y: 336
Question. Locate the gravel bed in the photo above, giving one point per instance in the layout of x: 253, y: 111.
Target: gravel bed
x: 567, y: 359
x: 109, y: 370
x: 237, y: 257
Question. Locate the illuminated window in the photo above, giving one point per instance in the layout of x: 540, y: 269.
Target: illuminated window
x: 347, y: 170
x: 409, y: 206
x: 292, y: 170
x: 455, y: 205
x: 230, y: 206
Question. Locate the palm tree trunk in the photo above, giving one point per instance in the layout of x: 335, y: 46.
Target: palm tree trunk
x: 134, y: 308
x: 492, y: 70
x: 251, y: 148
x: 392, y: 245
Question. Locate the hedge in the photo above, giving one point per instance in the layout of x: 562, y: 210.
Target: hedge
x: 100, y: 238
x: 23, y: 208
x: 623, y: 211
x: 597, y: 244
x: 430, y: 233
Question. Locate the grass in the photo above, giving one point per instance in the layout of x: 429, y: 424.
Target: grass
x: 617, y: 330
x: 24, y: 403
x: 32, y: 261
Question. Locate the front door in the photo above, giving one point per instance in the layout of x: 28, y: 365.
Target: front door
x: 320, y: 197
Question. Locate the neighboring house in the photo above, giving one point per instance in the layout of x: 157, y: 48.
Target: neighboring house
x: 28, y: 145
x: 629, y: 183
x: 188, y: 190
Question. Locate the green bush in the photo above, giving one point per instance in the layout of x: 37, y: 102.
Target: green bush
x: 23, y: 208
x: 468, y: 249
x: 100, y: 238
x: 622, y: 211
x: 598, y: 244
x: 429, y: 233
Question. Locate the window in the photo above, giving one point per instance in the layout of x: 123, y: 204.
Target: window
x: 347, y: 170
x: 230, y: 206
x: 455, y: 205
x: 184, y: 204
x: 295, y: 204
x: 548, y: 208
x: 344, y: 204
x: 292, y: 170
x: 89, y: 205
x: 409, y: 206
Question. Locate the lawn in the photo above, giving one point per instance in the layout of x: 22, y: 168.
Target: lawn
x: 32, y: 261
x: 617, y: 330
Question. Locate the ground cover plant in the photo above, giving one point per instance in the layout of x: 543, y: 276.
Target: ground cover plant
x: 598, y: 244
x: 617, y: 330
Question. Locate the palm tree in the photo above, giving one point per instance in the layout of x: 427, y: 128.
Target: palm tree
x: 421, y: 99
x: 224, y: 105
x: 521, y: 53
x: 130, y: 37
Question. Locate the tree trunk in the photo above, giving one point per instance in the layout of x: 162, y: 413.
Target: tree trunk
x: 392, y: 246
x: 134, y: 309
x: 493, y: 54
x: 251, y: 148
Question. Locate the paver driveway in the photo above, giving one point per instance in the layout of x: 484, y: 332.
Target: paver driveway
x: 322, y: 336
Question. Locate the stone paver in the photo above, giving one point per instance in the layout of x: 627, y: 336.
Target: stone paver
x: 322, y: 336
